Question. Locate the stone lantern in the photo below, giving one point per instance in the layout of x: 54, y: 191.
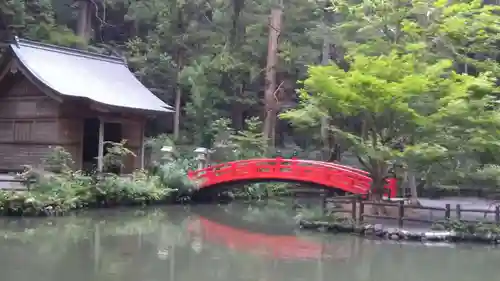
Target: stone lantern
x: 168, y: 153
x: 201, y: 157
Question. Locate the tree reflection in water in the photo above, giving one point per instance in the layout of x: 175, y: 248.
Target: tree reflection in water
x: 179, y: 245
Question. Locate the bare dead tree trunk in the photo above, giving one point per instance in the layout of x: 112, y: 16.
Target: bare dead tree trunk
x: 270, y: 98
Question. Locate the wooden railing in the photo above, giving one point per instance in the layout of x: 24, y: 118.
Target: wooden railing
x: 358, y: 214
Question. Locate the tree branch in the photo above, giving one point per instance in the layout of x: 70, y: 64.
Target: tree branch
x: 363, y: 162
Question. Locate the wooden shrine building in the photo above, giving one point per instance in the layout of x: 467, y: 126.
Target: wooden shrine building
x: 55, y: 96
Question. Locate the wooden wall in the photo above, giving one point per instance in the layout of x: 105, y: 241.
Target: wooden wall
x: 31, y: 124
x: 28, y: 125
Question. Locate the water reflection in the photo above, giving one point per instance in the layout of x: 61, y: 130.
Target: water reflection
x: 211, y: 243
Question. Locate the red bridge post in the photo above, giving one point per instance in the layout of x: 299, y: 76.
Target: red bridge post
x: 392, y: 187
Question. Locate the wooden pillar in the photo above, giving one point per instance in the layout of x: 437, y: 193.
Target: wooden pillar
x: 100, y: 153
x: 143, y: 145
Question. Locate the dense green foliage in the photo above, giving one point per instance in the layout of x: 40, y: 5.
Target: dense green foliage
x: 410, y: 87
x: 55, y: 188
x: 413, y: 95
x: 212, y: 52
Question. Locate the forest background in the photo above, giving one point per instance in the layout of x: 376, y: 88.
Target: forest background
x: 392, y: 86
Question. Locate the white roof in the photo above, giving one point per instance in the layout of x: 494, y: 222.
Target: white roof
x: 100, y: 78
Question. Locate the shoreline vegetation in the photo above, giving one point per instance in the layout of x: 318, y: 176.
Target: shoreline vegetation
x: 441, y: 231
x: 354, y: 216
x: 55, y: 190
x: 419, y: 100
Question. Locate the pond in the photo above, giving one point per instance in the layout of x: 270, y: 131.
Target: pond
x: 233, y: 243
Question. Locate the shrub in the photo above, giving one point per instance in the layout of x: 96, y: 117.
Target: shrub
x: 467, y: 227
x: 62, y: 189
x: 58, y: 161
x: 116, y: 154
x: 173, y: 175
x: 139, y: 188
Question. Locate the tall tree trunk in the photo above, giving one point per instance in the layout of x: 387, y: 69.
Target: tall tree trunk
x: 235, y: 84
x: 378, y: 175
x: 180, y: 65
x: 84, y: 21
x: 178, y: 96
x: 270, y: 91
x: 325, y: 120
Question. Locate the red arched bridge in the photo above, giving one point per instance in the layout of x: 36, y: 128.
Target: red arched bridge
x: 328, y: 175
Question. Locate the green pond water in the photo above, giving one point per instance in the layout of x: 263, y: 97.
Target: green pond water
x: 223, y: 243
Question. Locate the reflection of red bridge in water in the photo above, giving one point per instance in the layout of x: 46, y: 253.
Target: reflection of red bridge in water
x: 329, y: 175
x: 281, y: 247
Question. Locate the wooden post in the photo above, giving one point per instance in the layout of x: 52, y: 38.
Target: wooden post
x: 401, y: 213
x: 447, y: 212
x: 353, y: 208
x: 270, y: 99
x: 497, y: 214
x: 100, y: 152
x: 458, y: 212
x: 361, y: 210
x: 143, y: 146
x: 324, y: 197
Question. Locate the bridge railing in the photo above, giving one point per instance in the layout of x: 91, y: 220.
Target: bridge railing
x: 280, y: 168
x: 345, y: 167
x: 358, y: 173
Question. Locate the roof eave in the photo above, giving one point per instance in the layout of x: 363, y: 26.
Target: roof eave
x: 104, y: 107
x: 33, y: 79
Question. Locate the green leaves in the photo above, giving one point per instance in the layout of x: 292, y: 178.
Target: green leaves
x: 407, y: 88
x: 410, y: 110
x: 36, y: 20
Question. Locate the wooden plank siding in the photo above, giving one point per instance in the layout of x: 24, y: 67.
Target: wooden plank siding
x: 28, y: 124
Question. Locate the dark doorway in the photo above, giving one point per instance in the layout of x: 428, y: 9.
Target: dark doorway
x: 90, y: 144
x: 112, y: 133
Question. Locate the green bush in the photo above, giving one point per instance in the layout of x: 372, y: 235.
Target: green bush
x: 62, y: 189
x: 139, y: 188
x: 467, y: 227
x: 173, y: 174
